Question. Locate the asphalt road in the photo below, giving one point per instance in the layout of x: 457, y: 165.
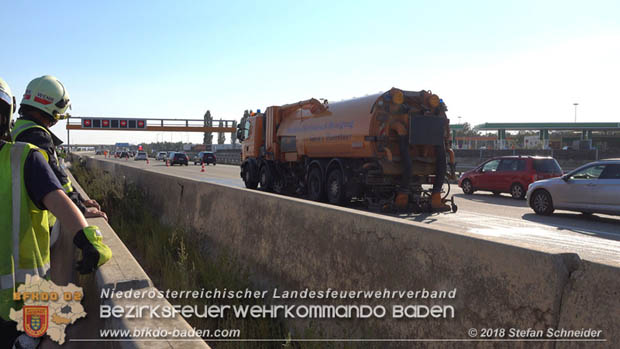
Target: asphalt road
x: 497, y: 218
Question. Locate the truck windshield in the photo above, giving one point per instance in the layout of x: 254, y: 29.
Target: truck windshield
x: 246, y: 128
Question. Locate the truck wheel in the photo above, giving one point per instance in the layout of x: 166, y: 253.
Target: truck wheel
x: 335, y: 187
x: 316, y: 190
x: 266, y: 179
x: 247, y: 178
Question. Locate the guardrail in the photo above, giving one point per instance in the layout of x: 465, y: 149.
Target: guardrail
x: 475, y: 157
x: 230, y: 158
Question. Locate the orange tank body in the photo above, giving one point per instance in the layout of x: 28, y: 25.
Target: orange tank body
x: 341, y: 130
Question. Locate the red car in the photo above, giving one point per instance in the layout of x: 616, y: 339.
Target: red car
x: 509, y: 174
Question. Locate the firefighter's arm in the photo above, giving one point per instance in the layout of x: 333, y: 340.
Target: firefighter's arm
x: 88, y: 238
x: 65, y: 210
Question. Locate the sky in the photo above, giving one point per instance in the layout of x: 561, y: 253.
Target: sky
x: 490, y: 61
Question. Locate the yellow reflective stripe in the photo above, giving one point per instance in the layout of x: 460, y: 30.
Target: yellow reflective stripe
x: 24, y: 125
x: 67, y: 186
x: 51, y: 219
x: 44, y: 153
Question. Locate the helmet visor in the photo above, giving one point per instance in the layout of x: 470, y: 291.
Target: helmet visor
x: 6, y: 97
x: 62, y: 103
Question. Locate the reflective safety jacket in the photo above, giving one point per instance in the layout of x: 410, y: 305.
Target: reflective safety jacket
x: 28, y: 131
x: 24, y: 228
x: 24, y: 130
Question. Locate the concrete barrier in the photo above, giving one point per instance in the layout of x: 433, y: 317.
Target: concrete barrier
x: 121, y: 273
x: 590, y: 300
x: 294, y: 244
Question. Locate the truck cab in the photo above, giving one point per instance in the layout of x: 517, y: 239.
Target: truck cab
x: 249, y: 132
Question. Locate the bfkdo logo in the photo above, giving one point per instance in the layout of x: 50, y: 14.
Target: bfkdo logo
x: 36, y: 319
x: 47, y: 308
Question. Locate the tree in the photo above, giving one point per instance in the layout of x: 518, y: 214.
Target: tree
x: 467, y: 131
x: 221, y: 136
x: 233, y: 135
x: 208, y: 136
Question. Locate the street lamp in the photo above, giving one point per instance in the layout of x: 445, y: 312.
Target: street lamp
x: 575, y: 104
x: 459, y: 117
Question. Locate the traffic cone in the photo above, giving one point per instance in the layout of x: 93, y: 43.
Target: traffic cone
x: 203, y: 167
x: 167, y: 163
x: 147, y: 160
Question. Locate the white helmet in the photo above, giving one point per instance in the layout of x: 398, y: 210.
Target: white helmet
x: 49, y: 95
x: 6, y: 96
x: 7, y: 107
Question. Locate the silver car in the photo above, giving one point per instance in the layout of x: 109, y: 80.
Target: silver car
x: 592, y: 188
x: 161, y: 155
x: 140, y: 156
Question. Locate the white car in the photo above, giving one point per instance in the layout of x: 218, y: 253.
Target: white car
x: 592, y: 188
x: 140, y: 156
x: 161, y: 155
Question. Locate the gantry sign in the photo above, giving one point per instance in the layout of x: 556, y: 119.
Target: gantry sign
x: 158, y: 125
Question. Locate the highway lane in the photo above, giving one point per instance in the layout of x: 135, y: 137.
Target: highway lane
x: 497, y: 218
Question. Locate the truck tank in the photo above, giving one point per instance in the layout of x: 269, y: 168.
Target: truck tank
x: 381, y: 145
x: 368, y: 128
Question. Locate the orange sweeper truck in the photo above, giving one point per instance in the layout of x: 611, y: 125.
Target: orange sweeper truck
x: 391, y: 150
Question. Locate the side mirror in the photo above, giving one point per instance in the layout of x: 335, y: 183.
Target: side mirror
x: 565, y: 178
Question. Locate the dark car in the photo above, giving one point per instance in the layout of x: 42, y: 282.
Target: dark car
x: 204, y: 157
x: 124, y: 155
x: 509, y: 174
x: 179, y: 158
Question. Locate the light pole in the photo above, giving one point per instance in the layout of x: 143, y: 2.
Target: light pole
x: 575, y: 104
x: 459, y: 117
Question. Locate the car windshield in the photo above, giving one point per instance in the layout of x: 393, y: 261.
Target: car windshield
x: 547, y: 166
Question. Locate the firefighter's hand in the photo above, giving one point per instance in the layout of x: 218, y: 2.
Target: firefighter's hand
x: 93, y: 212
x: 91, y: 203
x: 94, y: 252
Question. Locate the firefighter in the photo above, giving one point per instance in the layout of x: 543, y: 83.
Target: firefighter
x: 29, y: 188
x: 44, y: 103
